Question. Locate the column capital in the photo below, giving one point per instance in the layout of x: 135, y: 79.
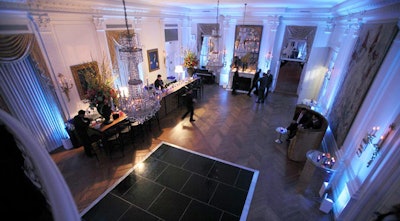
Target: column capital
x: 42, y: 22
x: 98, y: 22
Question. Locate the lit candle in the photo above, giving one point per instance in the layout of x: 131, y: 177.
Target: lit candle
x: 375, y: 130
x: 380, y: 142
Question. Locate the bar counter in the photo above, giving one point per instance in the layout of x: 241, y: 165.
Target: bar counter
x: 171, y: 98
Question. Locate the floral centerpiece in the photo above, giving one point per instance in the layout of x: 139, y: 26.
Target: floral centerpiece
x: 190, y: 61
x: 100, y: 91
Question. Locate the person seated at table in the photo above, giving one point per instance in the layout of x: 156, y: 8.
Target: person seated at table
x: 81, y: 124
x: 159, y: 83
x: 301, y: 117
x: 313, y: 123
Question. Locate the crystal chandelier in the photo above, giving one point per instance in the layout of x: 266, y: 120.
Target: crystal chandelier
x: 240, y: 49
x: 142, y: 103
x: 216, y: 58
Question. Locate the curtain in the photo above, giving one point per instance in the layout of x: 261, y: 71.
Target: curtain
x: 28, y: 91
x: 120, y: 68
x: 204, y: 52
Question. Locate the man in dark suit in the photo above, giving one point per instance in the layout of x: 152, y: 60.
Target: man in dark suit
x: 189, y: 102
x: 255, y: 82
x: 81, y: 124
x: 235, y: 81
x: 262, y: 84
x: 299, y: 119
x: 159, y: 83
x: 269, y: 82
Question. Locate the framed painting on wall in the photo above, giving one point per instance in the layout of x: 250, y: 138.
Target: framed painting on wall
x: 152, y: 56
x: 78, y: 71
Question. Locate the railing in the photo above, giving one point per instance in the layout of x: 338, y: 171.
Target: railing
x: 42, y: 171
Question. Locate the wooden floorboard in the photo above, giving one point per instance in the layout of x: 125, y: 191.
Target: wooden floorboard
x: 228, y: 127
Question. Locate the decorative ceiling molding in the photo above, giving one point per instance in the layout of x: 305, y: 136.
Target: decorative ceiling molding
x: 198, y: 9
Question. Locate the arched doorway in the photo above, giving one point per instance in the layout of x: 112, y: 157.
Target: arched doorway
x: 289, y: 77
x: 296, y: 46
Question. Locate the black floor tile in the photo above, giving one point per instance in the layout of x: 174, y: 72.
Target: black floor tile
x: 173, y: 177
x: 109, y: 208
x: 169, y: 205
x: 151, y: 168
x: 198, y: 211
x: 174, y: 184
x: 229, y: 198
x: 244, y: 179
x: 199, y: 164
x: 200, y: 188
x: 125, y: 184
x: 224, y: 172
x: 135, y: 213
x: 229, y: 217
x: 174, y: 156
x: 143, y: 193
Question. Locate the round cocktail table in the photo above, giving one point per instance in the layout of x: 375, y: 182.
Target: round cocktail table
x: 280, y: 131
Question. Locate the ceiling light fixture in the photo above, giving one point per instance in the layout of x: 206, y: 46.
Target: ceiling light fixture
x: 244, y: 13
x: 216, y: 57
x: 142, y: 103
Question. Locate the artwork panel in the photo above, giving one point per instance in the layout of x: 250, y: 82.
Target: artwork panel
x: 78, y: 71
x: 369, y: 52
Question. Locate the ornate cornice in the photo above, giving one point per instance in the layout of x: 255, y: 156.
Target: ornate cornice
x: 42, y: 22
x: 111, y: 8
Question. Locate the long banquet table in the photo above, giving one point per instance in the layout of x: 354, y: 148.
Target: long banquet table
x: 104, y: 127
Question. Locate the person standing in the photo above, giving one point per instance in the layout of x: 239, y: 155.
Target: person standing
x: 254, y: 84
x: 81, y: 124
x: 189, y: 102
x: 159, y: 83
x: 262, y: 84
x: 269, y: 82
x: 235, y: 81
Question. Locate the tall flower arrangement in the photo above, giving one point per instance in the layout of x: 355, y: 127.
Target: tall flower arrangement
x: 100, y: 90
x: 190, y: 60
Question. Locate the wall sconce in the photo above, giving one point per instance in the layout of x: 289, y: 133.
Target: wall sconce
x: 378, y: 145
x: 268, y: 58
x: 367, y: 140
x: 65, y: 85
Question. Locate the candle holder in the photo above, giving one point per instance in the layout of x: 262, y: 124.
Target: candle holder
x: 379, y: 144
x: 65, y: 85
x: 368, y: 139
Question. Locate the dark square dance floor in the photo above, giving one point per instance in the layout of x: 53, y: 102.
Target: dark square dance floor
x: 173, y: 184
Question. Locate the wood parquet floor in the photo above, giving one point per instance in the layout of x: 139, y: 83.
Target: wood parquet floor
x: 289, y: 78
x: 228, y: 127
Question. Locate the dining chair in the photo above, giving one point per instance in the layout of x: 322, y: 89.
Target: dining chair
x: 137, y: 130
x: 125, y: 132
x: 112, y: 141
